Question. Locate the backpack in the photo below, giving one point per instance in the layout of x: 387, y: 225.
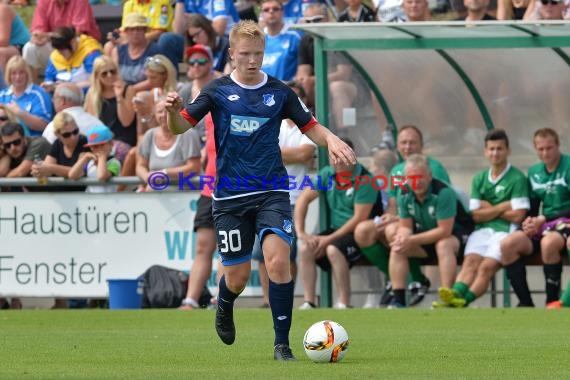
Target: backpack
x: 166, y: 288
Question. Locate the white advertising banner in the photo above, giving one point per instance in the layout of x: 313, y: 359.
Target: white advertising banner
x: 69, y: 244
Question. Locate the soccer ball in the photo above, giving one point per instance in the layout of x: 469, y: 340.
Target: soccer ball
x: 326, y: 342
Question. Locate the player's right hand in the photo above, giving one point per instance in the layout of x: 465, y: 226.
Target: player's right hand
x: 173, y: 102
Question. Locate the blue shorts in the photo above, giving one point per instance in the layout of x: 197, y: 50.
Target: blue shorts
x: 239, y: 220
x: 257, y: 253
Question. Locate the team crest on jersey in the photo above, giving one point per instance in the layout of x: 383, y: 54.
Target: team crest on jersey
x: 287, y: 226
x: 246, y: 125
x: 431, y: 211
x: 233, y: 97
x: 268, y: 100
x: 499, y: 188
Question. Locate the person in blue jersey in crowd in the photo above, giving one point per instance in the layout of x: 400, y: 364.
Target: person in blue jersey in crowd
x: 30, y: 103
x: 222, y: 13
x: 281, y: 45
x: 247, y: 108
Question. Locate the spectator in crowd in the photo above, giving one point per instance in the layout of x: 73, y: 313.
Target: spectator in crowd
x: 159, y: 15
x: 390, y: 10
x: 64, y: 152
x: 499, y: 202
x: 69, y: 97
x: 201, y: 31
x: 162, y: 151
x: 222, y: 13
x: 200, y: 71
x: 50, y: 15
x: 14, y: 34
x: 22, y: 151
x: 161, y: 77
x: 550, y: 10
x: 416, y: 10
x: 476, y: 11
x: 27, y: 101
x: 297, y: 153
x: 515, y: 9
x: 334, y: 249
x: 356, y: 11
x: 409, y: 142
x: 99, y: 163
x: 111, y: 101
x: 432, y: 225
x: 543, y: 232
x: 131, y: 56
x: 72, y: 58
x: 281, y: 45
x: 341, y: 88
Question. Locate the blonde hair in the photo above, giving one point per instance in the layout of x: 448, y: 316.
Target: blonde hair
x: 14, y: 63
x: 246, y: 29
x: 417, y: 160
x: 61, y: 120
x: 159, y: 60
x: 94, y: 95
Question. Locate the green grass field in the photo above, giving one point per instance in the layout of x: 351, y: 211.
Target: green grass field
x: 384, y: 344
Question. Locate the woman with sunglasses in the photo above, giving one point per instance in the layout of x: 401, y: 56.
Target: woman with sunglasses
x: 201, y: 31
x: 110, y: 100
x: 64, y: 151
x: 30, y: 103
x: 161, y: 77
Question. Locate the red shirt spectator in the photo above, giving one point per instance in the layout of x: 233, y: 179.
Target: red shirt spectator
x: 51, y: 14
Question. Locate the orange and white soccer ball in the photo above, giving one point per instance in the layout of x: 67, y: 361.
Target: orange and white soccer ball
x: 326, y: 342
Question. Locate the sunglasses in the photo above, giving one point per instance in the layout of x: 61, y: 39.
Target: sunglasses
x: 4, y: 118
x: 199, y: 61
x: 67, y: 135
x: 9, y: 144
x: 546, y: 2
x: 155, y: 61
x: 108, y: 73
x: 193, y: 36
x: 271, y: 10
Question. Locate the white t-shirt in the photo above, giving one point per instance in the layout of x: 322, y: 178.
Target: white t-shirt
x: 291, y: 137
x: 83, y: 119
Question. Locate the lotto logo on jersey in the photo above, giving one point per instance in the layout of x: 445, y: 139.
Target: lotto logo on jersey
x: 246, y: 125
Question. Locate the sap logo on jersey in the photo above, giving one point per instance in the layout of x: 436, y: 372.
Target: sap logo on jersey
x: 246, y: 125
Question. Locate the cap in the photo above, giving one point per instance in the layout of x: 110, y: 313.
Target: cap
x: 199, y: 48
x: 98, y: 134
x: 134, y: 20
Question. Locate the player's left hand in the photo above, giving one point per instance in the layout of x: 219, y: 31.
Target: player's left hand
x: 340, y: 152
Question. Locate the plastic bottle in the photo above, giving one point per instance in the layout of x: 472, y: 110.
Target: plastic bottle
x: 39, y: 162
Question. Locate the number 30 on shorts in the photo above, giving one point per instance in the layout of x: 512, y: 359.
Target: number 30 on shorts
x: 230, y: 241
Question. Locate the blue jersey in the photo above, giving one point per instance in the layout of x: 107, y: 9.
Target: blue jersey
x: 35, y: 100
x: 280, y: 56
x: 247, y: 122
x: 213, y: 9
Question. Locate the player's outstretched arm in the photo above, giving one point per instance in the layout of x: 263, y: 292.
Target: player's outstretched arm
x: 339, y: 151
x: 176, y: 123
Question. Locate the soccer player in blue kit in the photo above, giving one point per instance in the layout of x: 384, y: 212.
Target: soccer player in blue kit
x: 247, y: 108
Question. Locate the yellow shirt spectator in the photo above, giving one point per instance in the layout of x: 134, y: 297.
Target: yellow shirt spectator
x: 159, y: 13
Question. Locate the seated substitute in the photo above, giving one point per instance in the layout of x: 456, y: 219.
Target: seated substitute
x: 546, y: 232
x: 432, y: 226
x: 499, y: 202
x: 335, y: 249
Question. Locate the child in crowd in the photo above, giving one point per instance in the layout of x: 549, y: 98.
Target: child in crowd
x: 100, y: 162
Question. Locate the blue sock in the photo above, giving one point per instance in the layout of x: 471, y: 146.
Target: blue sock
x: 281, y: 302
x: 225, y: 296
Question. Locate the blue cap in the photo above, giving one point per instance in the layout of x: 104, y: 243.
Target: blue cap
x: 99, y: 134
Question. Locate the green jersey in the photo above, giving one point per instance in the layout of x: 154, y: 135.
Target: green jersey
x: 437, y: 170
x: 440, y: 203
x: 552, y: 189
x: 511, y: 185
x: 340, y: 201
